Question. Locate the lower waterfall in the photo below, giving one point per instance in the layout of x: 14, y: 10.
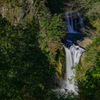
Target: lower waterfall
x: 73, y: 54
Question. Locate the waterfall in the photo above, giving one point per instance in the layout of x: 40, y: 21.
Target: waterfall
x: 73, y: 52
x: 75, y: 23
x: 70, y: 24
x: 72, y: 21
x: 81, y: 21
x: 73, y: 55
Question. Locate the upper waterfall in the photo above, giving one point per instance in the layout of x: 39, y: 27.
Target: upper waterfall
x: 75, y: 27
x: 72, y: 24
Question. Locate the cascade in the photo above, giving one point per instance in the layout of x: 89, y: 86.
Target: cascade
x: 70, y: 24
x: 73, y: 55
x: 73, y: 52
x: 81, y: 21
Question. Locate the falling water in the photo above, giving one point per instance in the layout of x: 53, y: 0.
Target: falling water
x: 70, y: 24
x: 75, y: 22
x: 81, y: 22
x: 73, y: 53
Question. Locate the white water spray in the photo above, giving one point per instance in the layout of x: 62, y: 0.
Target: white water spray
x: 73, y: 55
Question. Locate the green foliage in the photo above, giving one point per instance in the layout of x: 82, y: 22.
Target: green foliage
x: 24, y: 69
x: 15, y: 2
x: 30, y: 53
x: 90, y: 83
x: 56, y: 6
x: 27, y: 62
x: 62, y: 96
x: 8, y: 1
x: 52, y: 32
x: 92, y: 8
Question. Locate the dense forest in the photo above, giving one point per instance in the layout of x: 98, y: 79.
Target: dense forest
x: 32, y: 59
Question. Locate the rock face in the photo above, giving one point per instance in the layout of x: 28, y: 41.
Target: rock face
x: 17, y: 11
x: 85, y: 42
